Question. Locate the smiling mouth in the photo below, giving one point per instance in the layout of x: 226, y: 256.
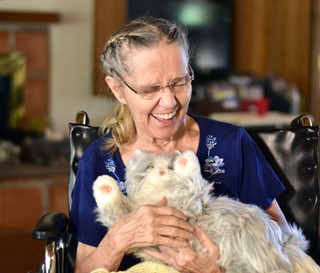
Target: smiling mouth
x: 165, y: 116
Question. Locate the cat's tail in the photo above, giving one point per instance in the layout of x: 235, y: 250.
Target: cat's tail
x: 295, y: 246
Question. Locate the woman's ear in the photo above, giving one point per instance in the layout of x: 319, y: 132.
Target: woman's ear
x: 115, y: 88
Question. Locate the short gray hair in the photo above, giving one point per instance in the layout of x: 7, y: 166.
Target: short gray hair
x: 139, y: 33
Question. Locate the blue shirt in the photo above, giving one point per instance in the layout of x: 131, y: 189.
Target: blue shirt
x: 229, y: 158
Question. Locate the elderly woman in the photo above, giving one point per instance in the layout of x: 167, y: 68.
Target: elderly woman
x: 147, y: 68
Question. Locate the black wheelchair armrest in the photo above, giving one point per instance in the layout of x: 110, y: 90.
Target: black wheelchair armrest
x: 50, y: 226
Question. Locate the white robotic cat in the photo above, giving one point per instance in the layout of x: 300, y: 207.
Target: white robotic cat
x: 248, y: 239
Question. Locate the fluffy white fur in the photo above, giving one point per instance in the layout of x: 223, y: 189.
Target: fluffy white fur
x: 249, y: 240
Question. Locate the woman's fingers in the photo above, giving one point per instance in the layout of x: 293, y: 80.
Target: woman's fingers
x: 164, y: 210
x: 186, y: 259
x: 163, y: 221
x: 205, y: 240
x: 162, y: 202
x: 153, y: 225
x: 163, y: 216
x: 163, y: 255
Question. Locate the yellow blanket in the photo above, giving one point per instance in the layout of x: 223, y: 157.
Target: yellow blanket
x: 145, y: 267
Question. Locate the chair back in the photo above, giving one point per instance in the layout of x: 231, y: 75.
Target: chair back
x: 293, y: 154
x: 81, y: 134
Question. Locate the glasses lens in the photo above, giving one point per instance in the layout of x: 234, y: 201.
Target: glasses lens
x: 181, y: 84
x: 178, y: 85
x: 150, y: 91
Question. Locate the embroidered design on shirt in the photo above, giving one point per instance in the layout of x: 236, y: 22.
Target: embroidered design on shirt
x: 213, y: 164
x: 111, y: 167
x: 211, y: 142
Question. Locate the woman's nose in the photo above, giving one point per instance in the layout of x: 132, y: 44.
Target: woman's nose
x: 167, y: 97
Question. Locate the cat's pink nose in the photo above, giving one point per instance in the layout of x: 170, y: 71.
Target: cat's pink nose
x: 162, y: 172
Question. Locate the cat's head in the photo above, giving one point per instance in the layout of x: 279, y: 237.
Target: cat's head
x: 149, y: 177
x: 161, y: 166
x: 145, y: 169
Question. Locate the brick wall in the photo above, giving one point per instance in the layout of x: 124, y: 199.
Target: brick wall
x: 33, y: 43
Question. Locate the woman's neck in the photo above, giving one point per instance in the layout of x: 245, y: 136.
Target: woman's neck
x: 186, y: 139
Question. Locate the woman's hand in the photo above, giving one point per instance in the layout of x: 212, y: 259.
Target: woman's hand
x: 151, y: 225
x: 186, y: 260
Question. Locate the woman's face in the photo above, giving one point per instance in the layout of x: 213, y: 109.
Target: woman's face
x: 162, y: 116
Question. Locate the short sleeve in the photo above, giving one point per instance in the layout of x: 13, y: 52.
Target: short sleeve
x: 82, y: 216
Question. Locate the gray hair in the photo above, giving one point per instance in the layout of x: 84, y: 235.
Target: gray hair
x: 144, y: 32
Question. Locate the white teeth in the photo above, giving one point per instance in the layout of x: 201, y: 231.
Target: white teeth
x: 165, y: 116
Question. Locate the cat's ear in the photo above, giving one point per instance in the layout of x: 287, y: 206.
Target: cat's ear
x: 176, y: 153
x: 190, y: 154
x: 136, y: 154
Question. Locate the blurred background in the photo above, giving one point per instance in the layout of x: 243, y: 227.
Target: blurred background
x: 257, y: 63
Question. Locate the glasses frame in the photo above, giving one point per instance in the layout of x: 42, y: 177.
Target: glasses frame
x: 190, y: 74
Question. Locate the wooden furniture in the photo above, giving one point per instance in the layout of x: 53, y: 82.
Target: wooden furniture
x: 26, y: 193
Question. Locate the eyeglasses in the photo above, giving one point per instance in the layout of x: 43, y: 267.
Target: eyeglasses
x: 177, y: 85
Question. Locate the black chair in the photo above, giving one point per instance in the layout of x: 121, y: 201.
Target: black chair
x: 293, y: 153
x: 60, y: 247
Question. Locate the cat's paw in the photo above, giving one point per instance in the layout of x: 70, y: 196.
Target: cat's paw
x: 187, y: 163
x: 105, y: 190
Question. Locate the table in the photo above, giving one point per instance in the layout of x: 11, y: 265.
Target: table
x: 247, y: 119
